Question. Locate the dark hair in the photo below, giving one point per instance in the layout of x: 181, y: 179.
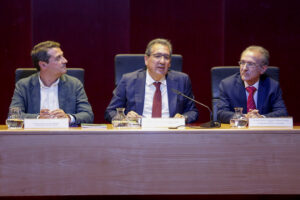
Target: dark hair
x: 264, y: 52
x: 40, y: 52
x: 158, y: 41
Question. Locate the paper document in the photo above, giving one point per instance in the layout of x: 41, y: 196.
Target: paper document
x: 85, y: 125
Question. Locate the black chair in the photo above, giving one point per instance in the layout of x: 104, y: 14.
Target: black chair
x: 221, y: 72
x: 25, y: 72
x: 125, y: 63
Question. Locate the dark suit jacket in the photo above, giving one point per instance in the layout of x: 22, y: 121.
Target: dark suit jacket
x: 71, y: 96
x: 130, y: 94
x: 232, y: 94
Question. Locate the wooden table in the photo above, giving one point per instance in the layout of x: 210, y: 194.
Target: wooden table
x: 79, y: 161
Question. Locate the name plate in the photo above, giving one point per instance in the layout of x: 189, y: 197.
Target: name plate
x: 46, y: 123
x: 280, y: 123
x: 162, y: 122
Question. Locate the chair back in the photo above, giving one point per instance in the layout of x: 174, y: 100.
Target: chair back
x: 25, y: 72
x: 221, y: 72
x: 125, y: 63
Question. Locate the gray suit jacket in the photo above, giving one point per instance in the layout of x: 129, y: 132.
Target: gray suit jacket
x: 130, y: 94
x: 71, y: 96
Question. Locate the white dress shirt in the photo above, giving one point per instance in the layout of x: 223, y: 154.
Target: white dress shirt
x: 49, y: 96
x: 149, y: 94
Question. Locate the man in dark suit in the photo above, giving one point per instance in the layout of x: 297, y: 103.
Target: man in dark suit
x: 136, y: 91
x: 251, y: 89
x: 50, y: 93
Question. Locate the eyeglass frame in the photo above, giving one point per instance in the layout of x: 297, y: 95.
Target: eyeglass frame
x: 251, y: 65
x: 158, y: 56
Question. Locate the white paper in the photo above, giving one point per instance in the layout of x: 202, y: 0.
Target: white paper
x: 162, y: 122
x: 284, y: 123
x: 46, y: 123
x: 86, y: 125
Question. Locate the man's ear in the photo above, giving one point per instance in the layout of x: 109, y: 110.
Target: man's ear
x: 42, y: 64
x: 146, y: 60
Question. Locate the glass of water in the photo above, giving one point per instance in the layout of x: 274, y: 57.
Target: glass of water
x: 14, y: 119
x: 238, y: 120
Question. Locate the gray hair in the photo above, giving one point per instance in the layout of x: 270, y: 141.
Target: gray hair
x: 264, y: 52
x: 158, y: 41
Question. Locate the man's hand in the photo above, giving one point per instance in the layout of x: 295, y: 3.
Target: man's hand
x: 133, y: 114
x: 58, y: 113
x: 180, y: 116
x: 253, y: 114
x: 44, y: 114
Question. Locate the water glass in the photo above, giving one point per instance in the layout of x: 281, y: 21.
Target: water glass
x: 14, y: 119
x: 238, y: 120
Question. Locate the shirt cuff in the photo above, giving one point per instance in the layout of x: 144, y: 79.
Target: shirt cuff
x: 72, y: 121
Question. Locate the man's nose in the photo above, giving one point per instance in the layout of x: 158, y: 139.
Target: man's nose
x: 162, y: 59
x: 65, y: 60
x: 245, y: 66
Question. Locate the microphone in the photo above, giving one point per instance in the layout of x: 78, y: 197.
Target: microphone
x: 209, y: 124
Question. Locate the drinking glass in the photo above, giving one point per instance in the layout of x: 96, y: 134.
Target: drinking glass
x: 14, y: 119
x: 120, y: 120
x: 238, y: 120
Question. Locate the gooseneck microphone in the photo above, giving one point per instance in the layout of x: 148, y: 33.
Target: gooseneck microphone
x: 209, y: 124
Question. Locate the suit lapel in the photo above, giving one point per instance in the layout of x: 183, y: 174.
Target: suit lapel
x: 172, y: 97
x: 35, y: 94
x: 261, y: 95
x: 62, y: 93
x: 139, y: 94
x: 241, y: 94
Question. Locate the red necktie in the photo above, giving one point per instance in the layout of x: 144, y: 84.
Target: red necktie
x: 156, y: 106
x: 250, y: 101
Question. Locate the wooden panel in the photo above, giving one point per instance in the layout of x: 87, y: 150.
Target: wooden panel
x: 274, y: 25
x: 206, y: 33
x: 15, y: 45
x: 91, y: 33
x: 132, y: 163
x: 195, y: 29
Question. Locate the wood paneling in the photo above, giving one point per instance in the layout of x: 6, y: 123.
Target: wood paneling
x: 274, y: 25
x: 151, y: 162
x: 15, y: 46
x: 206, y: 33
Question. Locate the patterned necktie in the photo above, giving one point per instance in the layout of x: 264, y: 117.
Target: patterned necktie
x: 250, y: 101
x: 156, y: 106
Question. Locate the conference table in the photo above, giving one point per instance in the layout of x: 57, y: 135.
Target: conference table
x: 184, y: 161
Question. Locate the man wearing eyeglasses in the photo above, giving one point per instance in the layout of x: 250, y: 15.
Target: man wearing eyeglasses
x: 258, y: 94
x: 148, y: 92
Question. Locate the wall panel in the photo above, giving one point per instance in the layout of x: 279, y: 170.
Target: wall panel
x: 91, y: 33
x: 206, y: 33
x: 195, y: 29
x: 15, y: 45
x: 274, y: 25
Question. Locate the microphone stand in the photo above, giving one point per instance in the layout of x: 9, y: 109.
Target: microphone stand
x: 211, y: 123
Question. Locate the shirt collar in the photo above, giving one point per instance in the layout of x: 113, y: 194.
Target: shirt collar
x: 43, y: 86
x: 150, y: 80
x: 254, y: 85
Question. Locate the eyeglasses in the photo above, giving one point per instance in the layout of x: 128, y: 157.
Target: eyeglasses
x: 252, y: 65
x: 158, y: 56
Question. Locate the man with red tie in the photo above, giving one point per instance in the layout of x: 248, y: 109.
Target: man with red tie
x: 147, y: 92
x: 258, y: 94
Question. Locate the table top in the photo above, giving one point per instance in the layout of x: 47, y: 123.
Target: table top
x: 225, y: 128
